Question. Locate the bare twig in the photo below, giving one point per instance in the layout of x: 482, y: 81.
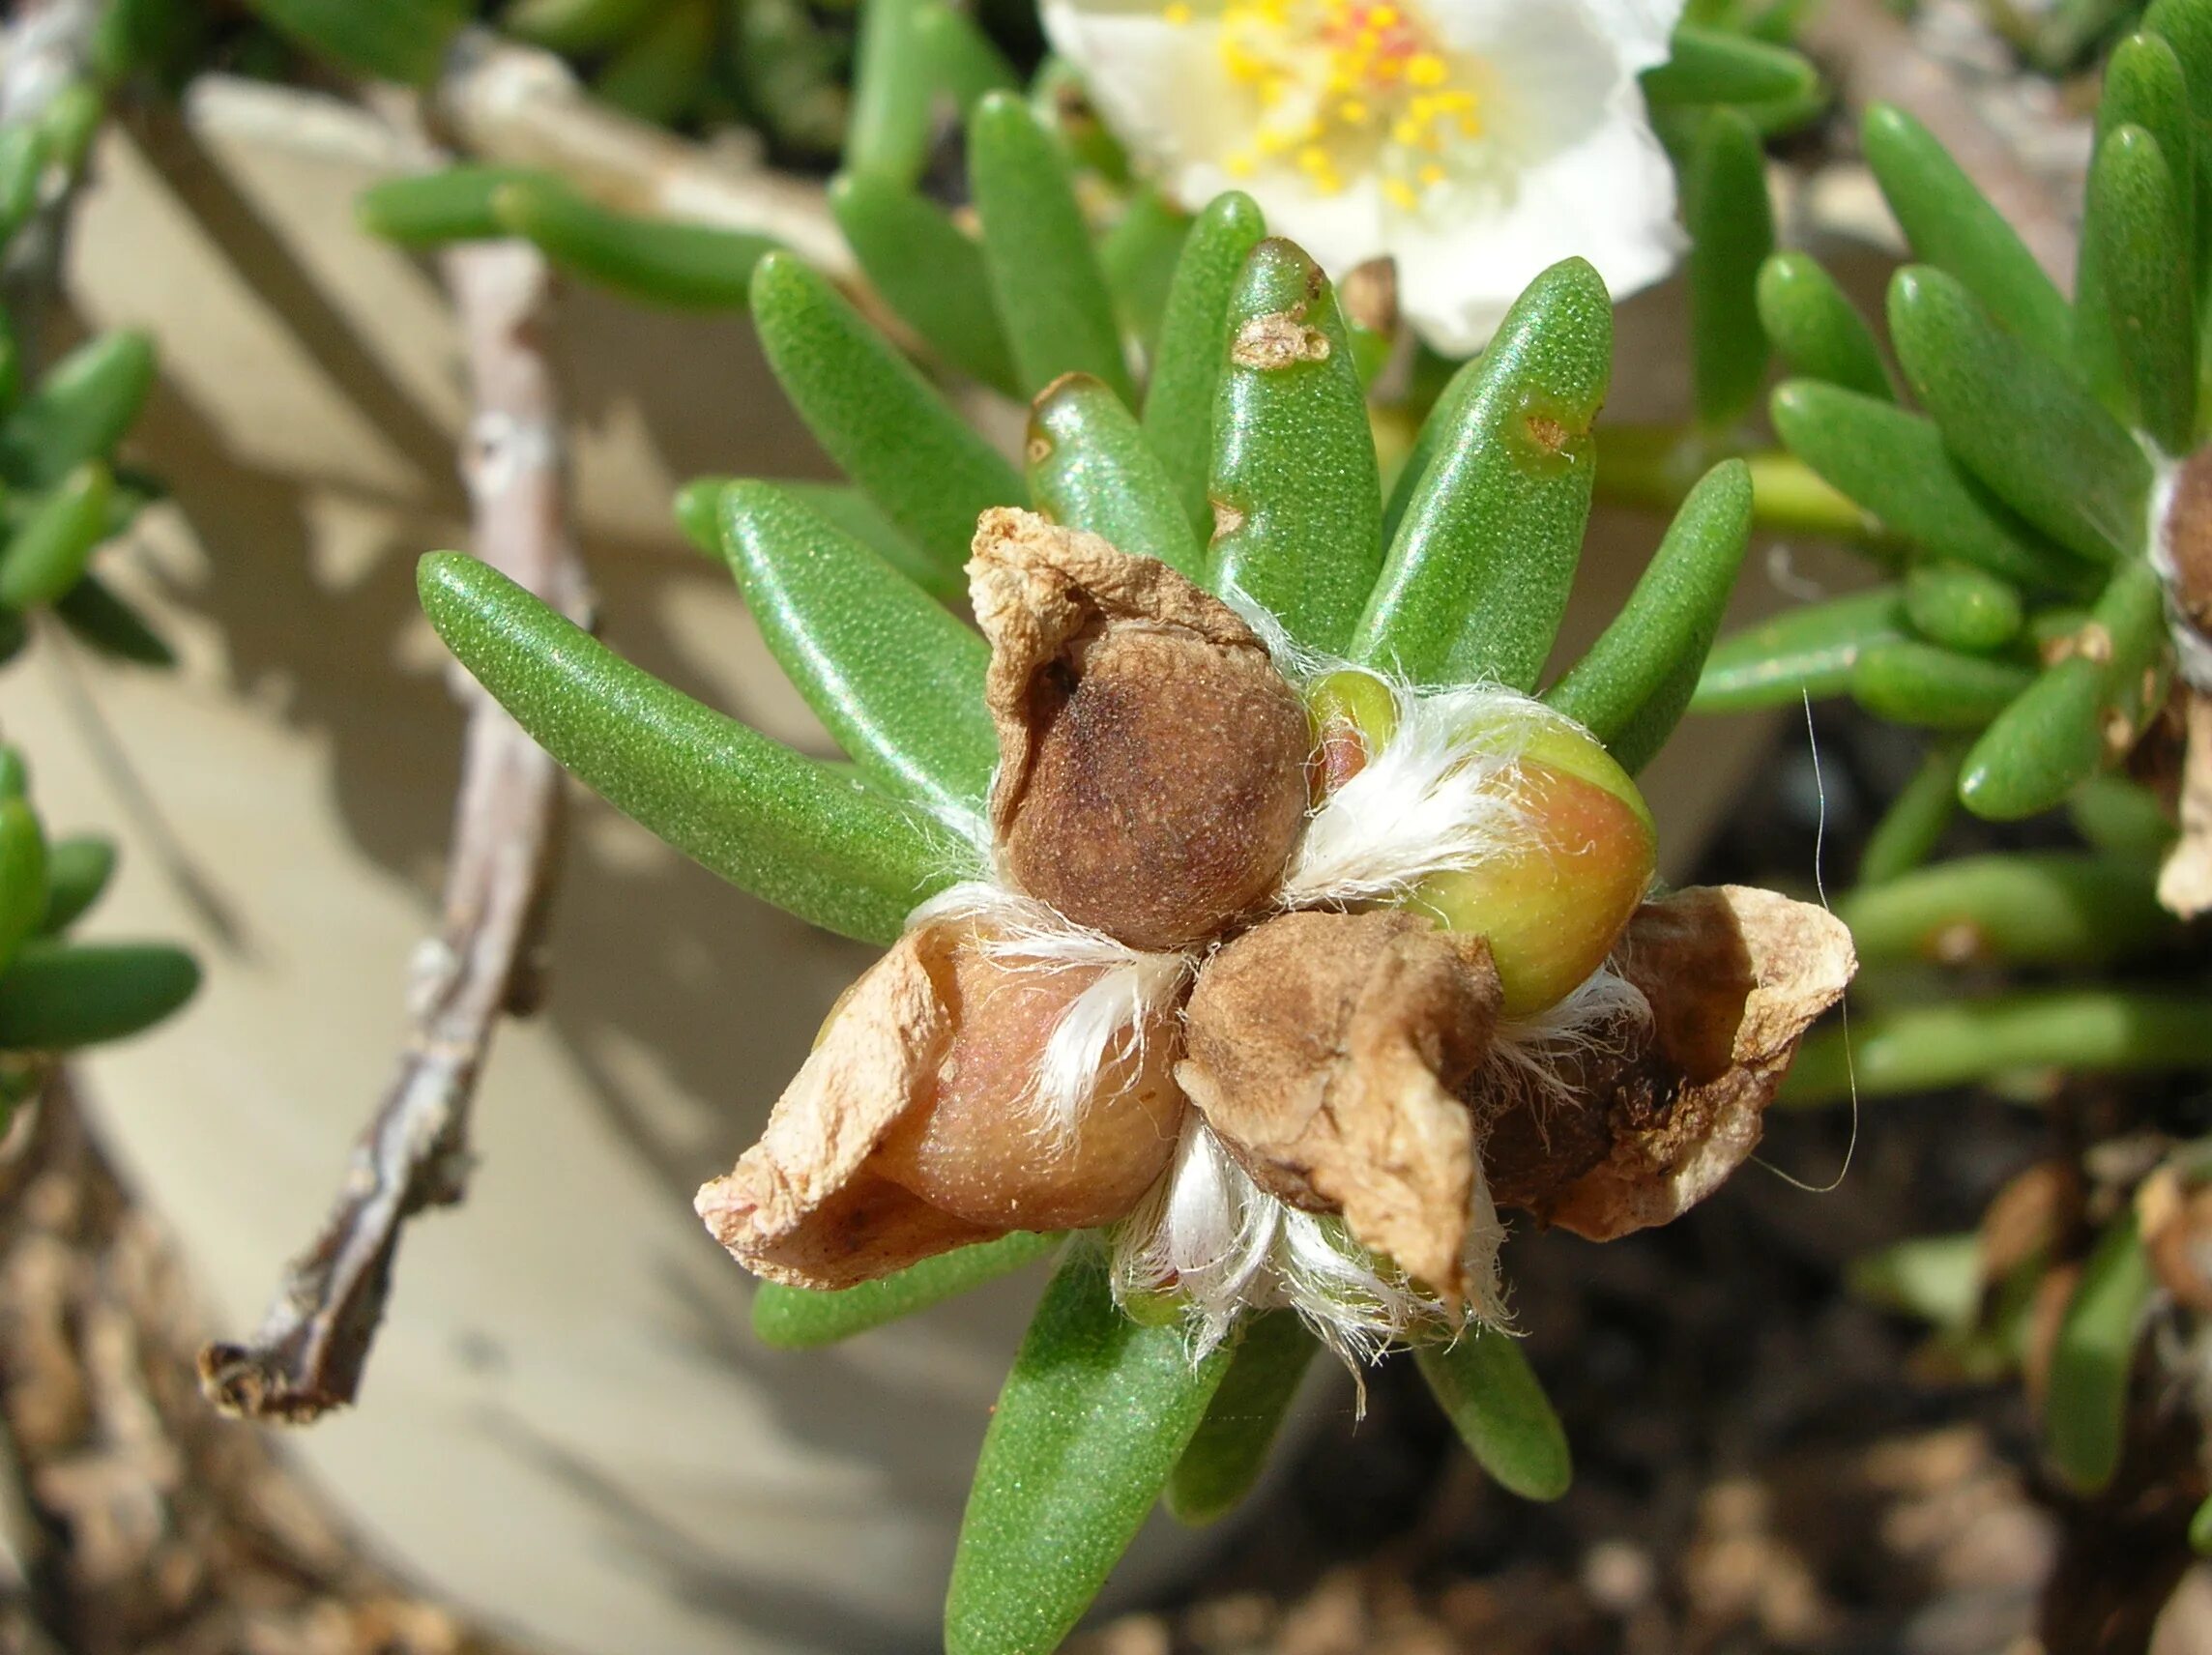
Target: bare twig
x: 1874, y: 57
x: 308, y: 1355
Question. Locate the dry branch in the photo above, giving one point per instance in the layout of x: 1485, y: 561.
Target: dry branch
x: 310, y: 1349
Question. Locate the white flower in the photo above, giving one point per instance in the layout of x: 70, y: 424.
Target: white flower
x: 1475, y: 141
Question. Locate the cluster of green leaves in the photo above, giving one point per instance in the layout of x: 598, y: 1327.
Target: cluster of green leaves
x: 62, y: 494
x: 778, y: 66
x: 1238, y: 468
x: 57, y: 995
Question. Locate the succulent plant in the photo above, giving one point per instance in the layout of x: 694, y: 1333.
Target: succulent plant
x: 1248, y: 910
x: 57, y: 995
x: 64, y: 496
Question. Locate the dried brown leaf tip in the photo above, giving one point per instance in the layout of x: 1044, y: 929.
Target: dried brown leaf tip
x: 1151, y: 770
x: 1326, y: 1053
x: 1651, y: 1122
x: 2185, y: 881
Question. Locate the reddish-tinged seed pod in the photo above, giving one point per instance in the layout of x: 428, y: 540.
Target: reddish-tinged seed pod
x: 1553, y: 902
x: 980, y: 1144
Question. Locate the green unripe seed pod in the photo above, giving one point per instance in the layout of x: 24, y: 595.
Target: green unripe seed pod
x: 1554, y: 901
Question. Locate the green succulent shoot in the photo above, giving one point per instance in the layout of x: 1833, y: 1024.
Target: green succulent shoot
x: 57, y: 995
x: 1259, y: 902
x: 2049, y: 555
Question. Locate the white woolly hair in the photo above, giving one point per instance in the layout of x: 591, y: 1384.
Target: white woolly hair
x: 1440, y: 795
x: 1604, y: 1016
x: 1104, y: 1026
x: 1223, y: 1245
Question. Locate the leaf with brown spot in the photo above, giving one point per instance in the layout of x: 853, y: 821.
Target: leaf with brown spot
x: 1151, y: 774
x: 1657, y: 1122
x: 1324, y: 1050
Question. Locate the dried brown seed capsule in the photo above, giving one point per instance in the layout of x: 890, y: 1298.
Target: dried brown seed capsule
x: 907, y: 1132
x: 1325, y: 1051
x: 1657, y: 1119
x: 976, y: 1146
x: 1151, y: 762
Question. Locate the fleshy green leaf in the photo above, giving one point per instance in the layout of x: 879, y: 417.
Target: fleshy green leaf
x: 2018, y: 421
x: 1962, y: 607
x: 1809, y: 650
x: 1090, y: 467
x: 657, y: 73
x: 1952, y: 226
x: 2022, y: 907
x: 1092, y: 1420
x: 830, y: 849
x: 1732, y: 231
x: 1896, y: 465
x: 1663, y: 631
x: 1480, y: 567
x: 1226, y: 1457
x: 2121, y: 817
x: 2053, y: 737
x: 78, y: 871
x: 56, y: 996
x: 399, y: 39
x: 2086, y: 1398
x: 879, y: 419
x: 577, y: 28
x: 105, y: 622
x: 2137, y: 287
x: 1909, y: 682
x: 966, y: 62
x: 23, y: 863
x: 894, y: 82
x: 1937, y: 1278
x: 688, y: 266
x: 23, y: 161
x: 1931, y: 1047
x: 47, y: 555
x: 793, y: 1318
x: 430, y: 209
x: 1500, y: 1413
x: 2145, y: 86
x: 928, y: 272
x: 1193, y: 347
x: 79, y: 411
x: 896, y: 678
x: 1710, y: 66
x: 1297, y: 499
x: 1044, y: 272
x: 1818, y: 331
x: 1916, y: 820
x: 1139, y: 257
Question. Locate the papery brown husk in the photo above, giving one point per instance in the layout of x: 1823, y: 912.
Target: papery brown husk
x: 1151, y: 778
x: 1324, y: 1052
x: 1656, y: 1118
x: 905, y: 1134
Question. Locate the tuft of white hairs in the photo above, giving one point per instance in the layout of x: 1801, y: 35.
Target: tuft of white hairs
x: 1223, y: 1246
x: 1605, y: 1016
x: 1440, y: 796
x: 1104, y: 1027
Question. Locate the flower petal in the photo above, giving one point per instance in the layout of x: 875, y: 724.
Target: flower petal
x: 1607, y: 197
x: 1325, y: 1051
x: 1650, y: 1127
